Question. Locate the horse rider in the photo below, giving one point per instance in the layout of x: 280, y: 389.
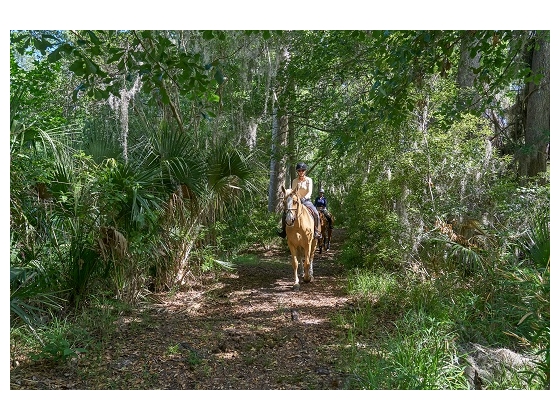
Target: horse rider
x: 304, y: 186
x: 321, y: 205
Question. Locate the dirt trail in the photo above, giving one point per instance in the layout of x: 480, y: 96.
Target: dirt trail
x: 247, y: 330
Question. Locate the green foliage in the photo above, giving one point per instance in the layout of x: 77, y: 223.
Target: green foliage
x: 173, y: 349
x: 420, y: 356
x: 56, y: 349
x: 252, y: 226
x: 30, y: 296
x: 427, y: 323
x: 532, y: 314
x: 533, y: 326
x: 57, y: 342
x: 36, y: 91
x: 415, y: 353
x: 374, y: 231
x: 537, y: 243
x: 81, y: 334
x: 453, y: 256
x: 105, y: 62
x: 381, y: 120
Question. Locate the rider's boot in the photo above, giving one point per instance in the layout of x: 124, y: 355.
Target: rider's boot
x: 317, y: 234
x: 282, y: 233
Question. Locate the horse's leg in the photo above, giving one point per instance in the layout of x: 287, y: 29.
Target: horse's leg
x: 308, y: 268
x: 294, y: 253
x: 301, y: 260
x: 306, y: 276
x: 311, y: 255
x: 295, y: 267
x: 323, y: 240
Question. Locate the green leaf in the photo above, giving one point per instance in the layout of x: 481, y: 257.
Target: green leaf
x: 42, y: 44
x: 213, y: 97
x: 145, y: 69
x: 93, y: 37
x: 157, y: 78
x: 56, y: 54
x: 91, y: 67
x: 218, y: 76
x: 164, y: 96
x: 78, y: 68
x: 121, y: 65
x: 98, y: 94
x: 95, y: 50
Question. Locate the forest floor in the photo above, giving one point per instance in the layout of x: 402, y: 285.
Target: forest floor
x: 245, y: 330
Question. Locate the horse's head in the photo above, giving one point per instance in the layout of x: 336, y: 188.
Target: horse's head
x: 291, y: 205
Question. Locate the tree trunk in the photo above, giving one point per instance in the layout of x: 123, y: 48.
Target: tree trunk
x: 534, y: 156
x: 251, y: 136
x: 277, y: 161
x: 465, y: 73
x: 279, y: 141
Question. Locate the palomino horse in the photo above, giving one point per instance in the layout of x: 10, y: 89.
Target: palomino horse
x: 299, y: 231
x: 326, y: 231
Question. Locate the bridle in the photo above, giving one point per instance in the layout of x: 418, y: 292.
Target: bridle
x: 292, y: 210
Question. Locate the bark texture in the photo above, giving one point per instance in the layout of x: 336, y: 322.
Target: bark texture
x: 534, y: 156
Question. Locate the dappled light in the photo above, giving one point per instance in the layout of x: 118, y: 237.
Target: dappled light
x: 154, y: 245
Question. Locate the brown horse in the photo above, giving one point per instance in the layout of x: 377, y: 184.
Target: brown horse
x: 326, y: 231
x: 299, y: 231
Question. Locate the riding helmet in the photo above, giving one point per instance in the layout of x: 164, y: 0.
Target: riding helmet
x: 301, y: 165
x: 322, y: 190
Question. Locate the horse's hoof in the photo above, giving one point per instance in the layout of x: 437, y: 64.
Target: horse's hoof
x: 307, y: 280
x: 295, y: 287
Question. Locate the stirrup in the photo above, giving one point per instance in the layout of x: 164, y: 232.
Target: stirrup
x: 317, y: 235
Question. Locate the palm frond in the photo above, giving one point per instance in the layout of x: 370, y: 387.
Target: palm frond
x: 178, y: 159
x: 466, y: 258
x: 29, y: 297
x: 230, y: 175
x: 100, y: 142
x: 537, y: 240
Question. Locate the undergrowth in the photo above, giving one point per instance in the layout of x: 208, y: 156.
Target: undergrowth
x: 407, y: 334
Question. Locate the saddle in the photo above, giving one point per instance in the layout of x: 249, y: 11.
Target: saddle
x: 309, y: 211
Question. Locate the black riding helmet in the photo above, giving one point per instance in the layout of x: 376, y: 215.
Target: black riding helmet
x: 301, y: 165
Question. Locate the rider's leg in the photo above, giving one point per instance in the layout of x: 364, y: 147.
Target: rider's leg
x: 282, y: 233
x: 316, y: 219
